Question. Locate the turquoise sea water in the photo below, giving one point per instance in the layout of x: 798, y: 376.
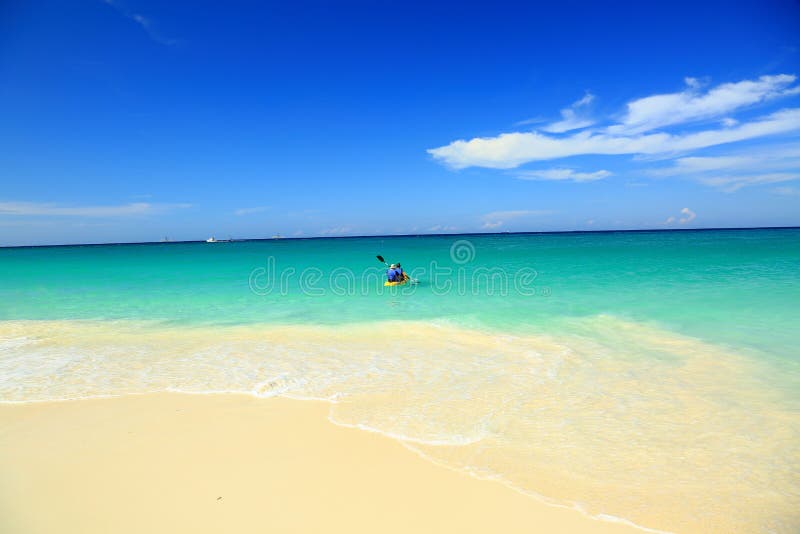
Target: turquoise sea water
x: 625, y: 373
x: 739, y: 287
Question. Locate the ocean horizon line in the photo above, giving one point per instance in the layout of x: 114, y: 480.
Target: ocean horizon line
x: 362, y: 236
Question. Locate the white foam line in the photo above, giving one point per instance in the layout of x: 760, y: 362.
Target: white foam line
x: 541, y: 498
x: 406, y: 439
x: 170, y: 390
x: 249, y: 394
x: 74, y: 399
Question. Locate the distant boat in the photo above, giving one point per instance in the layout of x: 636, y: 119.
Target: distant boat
x: 212, y: 240
x: 277, y: 236
x: 166, y: 240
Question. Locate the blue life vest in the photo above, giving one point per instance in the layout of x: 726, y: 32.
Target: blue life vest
x: 391, y: 274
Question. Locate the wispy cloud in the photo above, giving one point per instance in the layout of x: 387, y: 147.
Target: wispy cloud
x: 47, y: 209
x: 304, y: 213
x: 658, y: 111
x: 692, y: 165
x: 336, y: 230
x: 511, y: 150
x: 634, y: 133
x: 731, y: 184
x: 442, y: 228
x: 783, y: 156
x: 532, y: 120
x: 249, y: 211
x: 787, y: 191
x: 571, y: 118
x: 733, y: 171
x: 145, y: 23
x: 563, y: 174
x: 496, y: 219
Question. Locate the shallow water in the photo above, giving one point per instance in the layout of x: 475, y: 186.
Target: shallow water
x: 650, y: 376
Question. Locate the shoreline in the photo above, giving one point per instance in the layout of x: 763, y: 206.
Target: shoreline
x: 542, y: 416
x: 166, y: 462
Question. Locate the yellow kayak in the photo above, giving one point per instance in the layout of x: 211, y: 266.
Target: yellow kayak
x: 400, y: 283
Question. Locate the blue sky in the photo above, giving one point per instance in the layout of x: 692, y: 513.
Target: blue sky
x: 132, y: 120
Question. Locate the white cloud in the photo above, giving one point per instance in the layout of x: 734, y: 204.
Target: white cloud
x: 510, y: 150
x: 658, y: 111
x: 689, y: 216
x: 497, y: 219
x: 249, y: 211
x: 570, y: 117
x: 46, y: 209
x: 634, y: 134
x: 692, y: 82
x: 440, y: 228
x: 685, y: 217
x: 563, y: 174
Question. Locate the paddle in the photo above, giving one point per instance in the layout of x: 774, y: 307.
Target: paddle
x: 380, y: 259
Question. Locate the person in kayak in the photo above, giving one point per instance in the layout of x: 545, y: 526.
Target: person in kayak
x: 391, y: 274
x: 400, y: 274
